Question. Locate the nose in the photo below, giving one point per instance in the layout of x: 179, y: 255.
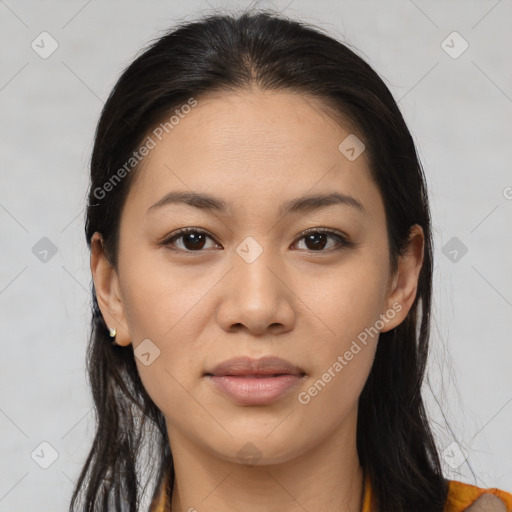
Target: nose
x: 256, y: 296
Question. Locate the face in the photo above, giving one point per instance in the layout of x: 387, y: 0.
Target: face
x: 264, y: 271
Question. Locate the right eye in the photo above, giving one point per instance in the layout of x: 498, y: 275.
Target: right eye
x: 192, y: 239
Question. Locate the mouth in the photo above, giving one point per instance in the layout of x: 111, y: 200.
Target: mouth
x: 250, y: 382
x: 258, y: 368
x: 252, y: 375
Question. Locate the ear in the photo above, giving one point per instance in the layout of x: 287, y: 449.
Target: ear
x: 106, y: 284
x: 403, y: 284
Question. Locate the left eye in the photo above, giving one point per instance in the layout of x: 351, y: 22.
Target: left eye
x: 194, y: 240
x: 316, y: 240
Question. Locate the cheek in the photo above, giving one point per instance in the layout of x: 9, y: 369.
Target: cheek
x: 169, y: 306
x: 343, y: 303
x: 162, y: 299
x: 347, y: 305
x: 341, y: 359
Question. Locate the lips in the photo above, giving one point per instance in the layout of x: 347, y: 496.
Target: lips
x: 266, y: 366
x: 251, y: 382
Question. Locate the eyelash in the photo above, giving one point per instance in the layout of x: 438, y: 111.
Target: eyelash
x: 342, y: 240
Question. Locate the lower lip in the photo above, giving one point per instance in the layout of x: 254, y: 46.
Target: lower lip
x: 246, y: 390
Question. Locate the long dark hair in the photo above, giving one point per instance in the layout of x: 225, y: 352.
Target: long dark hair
x: 222, y: 53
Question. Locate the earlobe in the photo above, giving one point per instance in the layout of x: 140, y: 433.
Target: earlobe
x: 404, y: 283
x: 106, y: 285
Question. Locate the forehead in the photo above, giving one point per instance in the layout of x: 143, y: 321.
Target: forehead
x: 251, y: 146
x: 260, y: 123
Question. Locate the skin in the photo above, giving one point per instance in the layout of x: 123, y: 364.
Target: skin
x: 488, y: 503
x: 255, y: 150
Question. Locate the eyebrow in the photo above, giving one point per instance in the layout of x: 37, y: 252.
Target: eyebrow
x: 301, y: 204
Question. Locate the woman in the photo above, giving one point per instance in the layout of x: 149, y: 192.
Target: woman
x: 262, y: 262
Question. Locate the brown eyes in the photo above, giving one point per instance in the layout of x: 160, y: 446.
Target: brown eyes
x: 315, y: 240
x: 319, y: 239
x: 193, y: 239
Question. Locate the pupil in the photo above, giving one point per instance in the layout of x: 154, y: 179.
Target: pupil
x: 197, y: 240
x: 316, y: 243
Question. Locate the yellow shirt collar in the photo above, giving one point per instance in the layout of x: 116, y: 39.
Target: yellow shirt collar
x: 460, y: 496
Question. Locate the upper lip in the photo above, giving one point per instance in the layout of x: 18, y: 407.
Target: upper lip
x: 248, y: 366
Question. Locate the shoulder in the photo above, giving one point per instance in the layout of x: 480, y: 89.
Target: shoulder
x: 466, y: 497
x: 488, y: 502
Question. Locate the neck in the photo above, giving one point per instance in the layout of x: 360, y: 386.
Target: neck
x: 326, y: 477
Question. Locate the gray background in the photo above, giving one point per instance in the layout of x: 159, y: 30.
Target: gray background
x: 458, y: 110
